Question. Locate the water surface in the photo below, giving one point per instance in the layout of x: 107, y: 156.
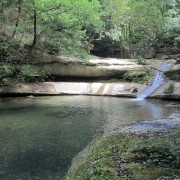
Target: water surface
x: 39, y: 136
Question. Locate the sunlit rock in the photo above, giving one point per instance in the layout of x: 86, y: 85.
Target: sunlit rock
x: 60, y: 66
x: 78, y: 88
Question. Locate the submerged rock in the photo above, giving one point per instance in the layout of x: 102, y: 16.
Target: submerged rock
x: 160, y: 125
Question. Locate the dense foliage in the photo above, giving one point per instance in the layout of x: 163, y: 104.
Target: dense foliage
x: 53, y: 26
x: 143, y: 23
x: 69, y: 27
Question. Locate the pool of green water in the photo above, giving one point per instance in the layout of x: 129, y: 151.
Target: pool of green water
x: 39, y: 136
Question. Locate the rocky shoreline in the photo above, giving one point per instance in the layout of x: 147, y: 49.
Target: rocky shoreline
x: 142, y: 128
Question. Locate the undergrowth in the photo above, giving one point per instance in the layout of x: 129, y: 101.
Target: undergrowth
x: 138, y: 76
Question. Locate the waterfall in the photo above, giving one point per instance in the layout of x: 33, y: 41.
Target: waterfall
x: 158, y: 80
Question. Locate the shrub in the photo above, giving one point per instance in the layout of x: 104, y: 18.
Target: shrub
x: 157, y: 153
x: 30, y: 73
x: 137, y: 76
x: 170, y: 89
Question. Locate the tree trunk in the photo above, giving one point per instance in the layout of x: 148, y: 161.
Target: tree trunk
x: 35, y: 29
x: 18, y: 18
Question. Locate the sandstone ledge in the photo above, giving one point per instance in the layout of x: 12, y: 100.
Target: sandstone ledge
x: 59, y: 66
x: 72, y: 88
x: 95, y: 88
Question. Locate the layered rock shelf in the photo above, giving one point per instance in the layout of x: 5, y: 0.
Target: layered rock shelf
x: 96, y: 67
x: 82, y: 88
x: 71, y: 88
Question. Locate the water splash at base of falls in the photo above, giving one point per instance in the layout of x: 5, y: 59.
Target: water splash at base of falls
x: 158, y: 81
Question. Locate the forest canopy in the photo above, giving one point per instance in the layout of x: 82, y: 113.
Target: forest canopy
x: 62, y: 25
x: 70, y: 27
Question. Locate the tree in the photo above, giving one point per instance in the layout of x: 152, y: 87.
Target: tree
x: 139, y: 22
x: 51, y: 23
x: 42, y: 25
x: 67, y: 19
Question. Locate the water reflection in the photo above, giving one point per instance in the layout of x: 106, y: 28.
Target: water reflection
x: 154, y: 107
x: 40, y: 136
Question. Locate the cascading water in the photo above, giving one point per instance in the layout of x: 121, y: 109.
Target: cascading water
x: 158, y: 80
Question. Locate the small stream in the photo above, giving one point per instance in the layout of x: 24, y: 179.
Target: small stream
x: 157, y: 82
x: 40, y: 136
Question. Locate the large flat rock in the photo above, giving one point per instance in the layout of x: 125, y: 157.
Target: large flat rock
x: 95, y: 88
x: 79, y: 88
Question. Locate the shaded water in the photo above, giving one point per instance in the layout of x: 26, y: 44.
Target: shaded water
x: 40, y: 136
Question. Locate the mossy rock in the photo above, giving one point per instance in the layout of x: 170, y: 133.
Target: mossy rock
x: 132, y: 157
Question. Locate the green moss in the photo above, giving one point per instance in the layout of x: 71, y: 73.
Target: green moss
x: 138, y: 76
x: 121, y: 156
